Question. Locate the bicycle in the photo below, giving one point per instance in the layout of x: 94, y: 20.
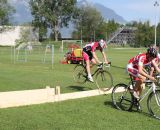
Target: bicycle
x: 103, y: 77
x: 123, y: 99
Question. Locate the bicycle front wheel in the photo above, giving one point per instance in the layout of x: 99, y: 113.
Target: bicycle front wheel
x: 153, y: 104
x: 121, y: 97
x: 79, y: 74
x: 104, y: 80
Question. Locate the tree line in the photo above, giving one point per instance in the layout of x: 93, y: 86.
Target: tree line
x: 88, y: 22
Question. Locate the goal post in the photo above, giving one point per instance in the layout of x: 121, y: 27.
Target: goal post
x: 33, y: 53
x: 49, y: 53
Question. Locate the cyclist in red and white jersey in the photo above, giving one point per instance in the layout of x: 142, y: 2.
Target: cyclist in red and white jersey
x: 156, y: 63
x: 90, y: 55
x: 136, y: 65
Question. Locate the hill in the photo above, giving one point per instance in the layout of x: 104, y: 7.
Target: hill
x: 23, y: 14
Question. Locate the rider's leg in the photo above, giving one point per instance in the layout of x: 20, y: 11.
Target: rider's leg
x: 88, y: 67
x: 89, y: 70
x: 151, y: 71
x: 139, y: 80
x: 93, y: 62
x: 139, y: 85
x: 87, y: 57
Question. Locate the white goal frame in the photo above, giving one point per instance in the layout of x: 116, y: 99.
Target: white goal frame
x: 75, y: 41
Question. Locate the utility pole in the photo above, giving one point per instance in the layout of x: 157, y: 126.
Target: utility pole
x: 156, y: 5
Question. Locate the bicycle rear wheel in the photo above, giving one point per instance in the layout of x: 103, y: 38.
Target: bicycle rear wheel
x: 153, y: 104
x: 79, y: 74
x: 104, y: 80
x: 121, y: 97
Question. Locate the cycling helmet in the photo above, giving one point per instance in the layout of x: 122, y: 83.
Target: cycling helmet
x: 102, y: 43
x: 152, y: 52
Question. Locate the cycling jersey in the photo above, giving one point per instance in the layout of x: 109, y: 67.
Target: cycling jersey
x: 135, y: 62
x: 88, y: 49
x: 139, y: 60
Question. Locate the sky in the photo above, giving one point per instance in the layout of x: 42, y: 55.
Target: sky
x: 139, y: 10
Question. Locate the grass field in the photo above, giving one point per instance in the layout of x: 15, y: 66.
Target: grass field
x: 95, y: 113
x: 35, y: 74
x: 88, y: 113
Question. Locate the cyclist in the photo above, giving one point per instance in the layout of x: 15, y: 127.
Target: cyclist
x: 90, y: 55
x: 136, y: 65
x: 156, y: 63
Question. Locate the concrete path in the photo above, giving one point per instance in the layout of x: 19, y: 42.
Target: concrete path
x: 38, y: 96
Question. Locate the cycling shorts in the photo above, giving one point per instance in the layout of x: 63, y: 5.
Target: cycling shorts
x: 87, y: 55
x: 133, y: 71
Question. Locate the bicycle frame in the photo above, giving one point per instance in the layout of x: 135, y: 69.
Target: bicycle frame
x: 157, y: 100
x: 127, y: 101
x: 98, y: 69
x: 152, y: 88
x: 103, y: 78
x: 95, y: 72
x: 101, y: 68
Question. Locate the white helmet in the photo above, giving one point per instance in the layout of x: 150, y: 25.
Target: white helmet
x: 102, y: 43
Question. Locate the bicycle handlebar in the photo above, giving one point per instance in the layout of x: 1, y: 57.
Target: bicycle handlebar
x: 102, y: 64
x: 157, y: 81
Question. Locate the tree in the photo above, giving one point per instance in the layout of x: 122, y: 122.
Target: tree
x: 144, y: 34
x: 158, y: 34
x: 39, y: 23
x: 87, y: 20
x: 105, y: 29
x: 6, y: 10
x: 52, y: 14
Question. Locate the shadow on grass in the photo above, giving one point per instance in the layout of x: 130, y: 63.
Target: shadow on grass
x: 144, y: 113
x: 110, y: 104
x: 79, y: 88
x: 114, y: 66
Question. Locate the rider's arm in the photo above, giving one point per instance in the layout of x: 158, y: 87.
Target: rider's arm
x: 141, y: 71
x: 151, y: 71
x: 95, y: 57
x: 155, y: 65
x: 104, y: 57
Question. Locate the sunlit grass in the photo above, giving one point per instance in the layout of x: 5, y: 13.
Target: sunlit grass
x: 94, y: 113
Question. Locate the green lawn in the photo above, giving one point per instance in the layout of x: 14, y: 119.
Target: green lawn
x: 92, y: 113
x: 35, y: 74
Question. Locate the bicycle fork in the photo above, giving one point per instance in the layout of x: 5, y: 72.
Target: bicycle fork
x: 156, y: 95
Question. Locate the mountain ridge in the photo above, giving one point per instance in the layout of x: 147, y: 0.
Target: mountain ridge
x: 109, y: 14
x: 23, y: 14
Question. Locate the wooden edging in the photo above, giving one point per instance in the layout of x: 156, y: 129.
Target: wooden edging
x: 38, y: 96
